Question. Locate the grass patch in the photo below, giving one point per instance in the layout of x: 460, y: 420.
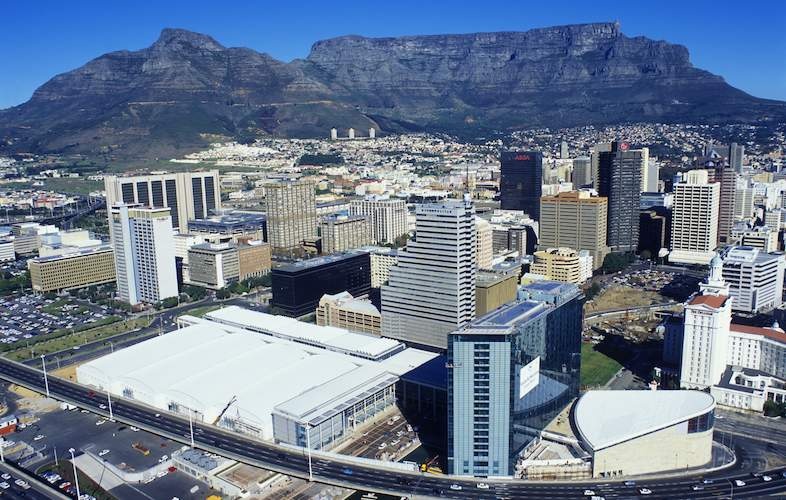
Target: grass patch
x: 201, y: 311
x: 75, y: 185
x: 86, y: 485
x: 596, y: 367
x: 62, y: 340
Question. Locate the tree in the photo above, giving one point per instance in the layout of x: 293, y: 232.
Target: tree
x: 401, y: 240
x: 616, y: 261
x: 194, y: 292
x: 223, y: 293
x: 592, y: 291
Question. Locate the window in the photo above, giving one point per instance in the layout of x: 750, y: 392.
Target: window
x: 701, y: 423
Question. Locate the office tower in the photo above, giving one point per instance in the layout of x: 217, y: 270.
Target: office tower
x: 582, y: 172
x: 493, y: 290
x: 706, y: 332
x: 521, y: 182
x: 144, y: 246
x: 387, y: 217
x: 597, y: 149
x: 344, y: 232
x: 736, y: 153
x: 484, y: 235
x: 755, y: 278
x: 727, y: 178
x: 213, y: 265
x: 563, y: 150
x: 650, y: 175
x: 291, y: 214
x: 254, y: 258
x: 7, y: 250
x: 510, y: 373
x: 563, y: 264
x: 298, y: 287
x: 694, y: 220
x: 73, y: 268
x: 761, y: 237
x: 645, y: 167
x: 230, y: 227
x: 344, y: 311
x: 431, y: 291
x: 577, y: 220
x: 743, y: 203
x: 190, y: 195
x: 654, y: 231
x: 382, y: 259
x: 619, y: 180
x: 27, y: 236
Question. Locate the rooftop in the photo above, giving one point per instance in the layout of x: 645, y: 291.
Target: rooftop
x: 318, y: 261
x: 607, y: 418
x: 713, y: 301
x: 74, y: 252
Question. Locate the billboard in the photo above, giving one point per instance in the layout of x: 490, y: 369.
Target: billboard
x: 529, y: 376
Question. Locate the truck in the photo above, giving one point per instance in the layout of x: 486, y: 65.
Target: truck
x: 141, y: 449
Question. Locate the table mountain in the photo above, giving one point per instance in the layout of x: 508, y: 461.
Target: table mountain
x: 187, y: 88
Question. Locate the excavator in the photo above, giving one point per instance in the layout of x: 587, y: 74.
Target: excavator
x: 231, y: 402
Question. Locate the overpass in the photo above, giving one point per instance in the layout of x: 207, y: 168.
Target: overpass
x: 348, y: 472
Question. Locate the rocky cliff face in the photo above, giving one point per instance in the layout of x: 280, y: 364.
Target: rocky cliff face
x: 163, y: 99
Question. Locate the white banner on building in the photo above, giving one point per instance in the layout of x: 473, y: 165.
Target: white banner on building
x: 529, y: 376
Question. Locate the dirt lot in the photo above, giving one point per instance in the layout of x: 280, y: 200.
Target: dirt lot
x: 619, y: 296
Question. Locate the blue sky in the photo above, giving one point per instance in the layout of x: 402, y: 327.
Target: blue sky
x: 745, y: 42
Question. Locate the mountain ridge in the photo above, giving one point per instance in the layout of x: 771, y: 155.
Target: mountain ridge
x: 187, y: 88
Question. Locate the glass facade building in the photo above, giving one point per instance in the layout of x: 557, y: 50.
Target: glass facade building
x: 510, y: 373
x: 521, y: 182
x: 298, y: 287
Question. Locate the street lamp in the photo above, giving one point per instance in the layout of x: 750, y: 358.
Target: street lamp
x: 191, y: 426
x: 308, y: 447
x: 76, y: 478
x: 46, y: 380
x: 109, y: 399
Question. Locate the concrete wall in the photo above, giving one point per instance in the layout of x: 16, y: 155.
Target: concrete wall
x: 670, y: 449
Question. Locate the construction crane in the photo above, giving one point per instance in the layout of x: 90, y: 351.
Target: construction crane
x: 231, y: 402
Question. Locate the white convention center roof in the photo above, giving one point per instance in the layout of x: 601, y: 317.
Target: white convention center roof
x: 607, y: 418
x: 204, y: 365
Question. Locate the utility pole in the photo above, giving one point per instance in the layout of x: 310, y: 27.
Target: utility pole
x: 191, y: 426
x: 76, y: 477
x: 308, y: 446
x: 109, y: 398
x: 46, y: 380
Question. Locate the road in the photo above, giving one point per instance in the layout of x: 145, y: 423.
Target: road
x: 371, y: 477
x: 621, y: 310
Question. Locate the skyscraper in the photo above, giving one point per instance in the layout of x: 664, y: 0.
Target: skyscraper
x: 291, y: 214
x: 577, y: 220
x: 619, y: 180
x: 144, y: 246
x: 387, y: 217
x: 510, y: 373
x: 190, y: 195
x: 521, y: 182
x: 727, y: 178
x: 582, y: 172
x: 431, y: 291
x: 694, y: 219
x: 736, y: 154
x: 484, y: 235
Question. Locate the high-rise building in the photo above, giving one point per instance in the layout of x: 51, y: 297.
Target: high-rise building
x: 654, y: 231
x: 694, y: 220
x: 597, y: 149
x: 190, y: 195
x: 563, y: 150
x: 743, y: 203
x: 510, y: 373
x: 230, y: 226
x: 755, y: 278
x: 291, y: 214
x: 706, y: 331
x: 646, y: 166
x: 213, y: 265
x: 382, y: 260
x: 431, y: 291
x: 344, y: 232
x: 493, y: 290
x: 761, y: 237
x: 577, y: 220
x: 582, y: 172
x: 521, y: 182
x: 619, y: 180
x: 563, y: 264
x: 144, y: 246
x: 736, y: 154
x: 254, y: 258
x: 387, y: 217
x: 484, y: 235
x: 727, y: 178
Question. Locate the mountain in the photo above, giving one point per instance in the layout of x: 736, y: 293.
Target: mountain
x: 186, y: 89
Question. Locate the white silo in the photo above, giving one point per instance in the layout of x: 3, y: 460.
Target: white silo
x: 352, y: 133
x: 372, y: 133
x: 333, y: 134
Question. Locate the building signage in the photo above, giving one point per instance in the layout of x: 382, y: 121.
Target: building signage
x: 529, y: 376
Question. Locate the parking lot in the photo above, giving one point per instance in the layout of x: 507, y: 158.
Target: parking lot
x: 23, y: 317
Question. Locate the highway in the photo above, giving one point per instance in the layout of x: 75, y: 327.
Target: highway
x: 380, y: 479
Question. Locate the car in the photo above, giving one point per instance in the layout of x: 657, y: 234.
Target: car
x: 84, y: 411
x: 103, y: 452
x: 100, y: 422
x: 708, y: 481
x: 6, y: 476
x: 22, y: 484
x: 456, y: 487
x: 4, y: 485
x: 39, y: 437
x: 163, y: 459
x: 395, y: 442
x: 645, y: 491
x: 161, y: 473
x: 346, y: 471
x: 102, y: 406
x: 589, y: 493
x: 739, y: 482
x: 65, y: 485
x: 766, y: 479
x: 382, y: 446
x: 630, y: 483
x: 157, y: 415
x: 483, y: 486
x: 698, y: 487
